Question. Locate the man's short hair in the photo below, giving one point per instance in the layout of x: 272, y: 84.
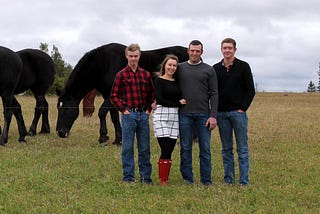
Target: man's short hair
x: 229, y: 40
x: 196, y: 42
x: 132, y: 48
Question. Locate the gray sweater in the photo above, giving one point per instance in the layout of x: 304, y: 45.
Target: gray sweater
x: 198, y: 85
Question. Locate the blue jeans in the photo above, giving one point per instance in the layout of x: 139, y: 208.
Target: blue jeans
x: 136, y: 123
x: 187, y: 123
x: 237, y: 122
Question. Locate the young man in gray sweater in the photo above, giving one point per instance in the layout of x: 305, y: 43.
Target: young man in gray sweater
x: 198, y: 84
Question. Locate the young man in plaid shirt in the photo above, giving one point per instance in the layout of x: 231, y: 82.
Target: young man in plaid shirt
x: 133, y: 94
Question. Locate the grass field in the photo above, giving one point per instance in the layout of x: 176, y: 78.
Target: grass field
x: 75, y: 175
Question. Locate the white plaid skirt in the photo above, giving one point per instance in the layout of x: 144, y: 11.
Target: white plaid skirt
x: 166, y: 122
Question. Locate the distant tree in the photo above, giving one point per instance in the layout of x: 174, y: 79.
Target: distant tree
x: 311, y: 87
x: 318, y: 88
x: 63, y: 69
x: 44, y: 47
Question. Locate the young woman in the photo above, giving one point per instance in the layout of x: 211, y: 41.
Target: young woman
x: 165, y: 116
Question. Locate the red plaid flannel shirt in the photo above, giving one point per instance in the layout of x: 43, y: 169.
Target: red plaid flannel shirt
x: 132, y: 89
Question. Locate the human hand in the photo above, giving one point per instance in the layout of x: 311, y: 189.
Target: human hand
x: 154, y: 106
x: 211, y: 123
x: 183, y: 101
x: 126, y: 112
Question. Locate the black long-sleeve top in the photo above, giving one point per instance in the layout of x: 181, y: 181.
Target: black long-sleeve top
x: 235, y: 87
x: 167, y: 92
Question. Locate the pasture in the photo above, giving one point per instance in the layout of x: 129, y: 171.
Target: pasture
x: 75, y: 175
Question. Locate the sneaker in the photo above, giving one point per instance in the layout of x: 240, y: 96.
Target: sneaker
x: 188, y: 182
x: 243, y: 186
x: 148, y: 183
x: 127, y: 182
x: 228, y: 184
x: 207, y: 184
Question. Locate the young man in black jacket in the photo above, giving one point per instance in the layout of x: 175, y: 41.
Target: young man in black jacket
x: 236, y: 92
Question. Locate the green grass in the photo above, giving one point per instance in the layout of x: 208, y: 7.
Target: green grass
x: 75, y: 175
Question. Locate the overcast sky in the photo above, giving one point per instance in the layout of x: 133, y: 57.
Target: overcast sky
x: 280, y: 39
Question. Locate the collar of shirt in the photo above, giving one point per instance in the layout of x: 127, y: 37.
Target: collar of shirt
x: 229, y: 66
x: 194, y: 64
x: 128, y: 69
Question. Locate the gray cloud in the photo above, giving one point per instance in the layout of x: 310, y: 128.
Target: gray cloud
x: 279, y: 38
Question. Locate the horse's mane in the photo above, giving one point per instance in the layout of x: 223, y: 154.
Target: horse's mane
x: 84, y: 62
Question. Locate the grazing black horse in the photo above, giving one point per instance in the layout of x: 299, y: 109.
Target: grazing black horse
x: 97, y: 69
x: 37, y: 75
x: 10, y: 71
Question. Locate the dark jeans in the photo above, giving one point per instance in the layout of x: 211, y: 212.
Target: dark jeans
x: 136, y: 123
x: 237, y: 122
x: 187, y: 123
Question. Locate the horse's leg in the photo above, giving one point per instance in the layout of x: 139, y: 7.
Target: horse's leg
x: 116, y: 124
x: 45, y: 127
x: 36, y: 116
x: 103, y: 111
x: 7, y: 113
x: 20, y: 121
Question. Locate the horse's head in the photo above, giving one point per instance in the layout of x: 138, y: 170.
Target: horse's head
x: 68, y: 111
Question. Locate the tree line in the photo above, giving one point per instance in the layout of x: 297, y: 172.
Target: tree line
x: 63, y: 69
x: 312, y: 86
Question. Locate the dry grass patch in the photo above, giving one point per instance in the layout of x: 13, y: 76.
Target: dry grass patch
x: 75, y: 175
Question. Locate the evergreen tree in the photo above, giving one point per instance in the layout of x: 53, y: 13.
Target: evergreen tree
x: 44, y: 47
x: 311, y: 87
x: 318, y: 88
x: 63, y: 69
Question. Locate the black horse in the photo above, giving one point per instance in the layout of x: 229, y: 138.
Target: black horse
x: 37, y: 75
x: 97, y: 69
x: 10, y: 71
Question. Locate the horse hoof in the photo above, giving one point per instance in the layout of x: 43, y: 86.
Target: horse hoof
x: 117, y: 142
x: 32, y: 133
x: 104, y: 139
x: 3, y: 142
x: 103, y: 144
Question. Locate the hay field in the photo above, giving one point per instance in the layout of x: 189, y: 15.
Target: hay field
x: 75, y: 175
